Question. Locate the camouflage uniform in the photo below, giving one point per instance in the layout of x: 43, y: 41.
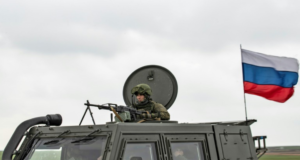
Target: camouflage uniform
x: 157, y: 110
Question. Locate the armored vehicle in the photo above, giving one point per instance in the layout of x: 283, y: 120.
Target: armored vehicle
x: 129, y: 138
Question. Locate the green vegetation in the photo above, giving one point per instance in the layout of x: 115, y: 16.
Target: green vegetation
x: 280, y: 157
x: 284, y: 149
x: 55, y: 155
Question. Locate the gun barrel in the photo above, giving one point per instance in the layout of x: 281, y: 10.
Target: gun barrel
x: 117, y: 108
x: 99, y: 106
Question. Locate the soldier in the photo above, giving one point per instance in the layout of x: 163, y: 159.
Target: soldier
x: 145, y: 103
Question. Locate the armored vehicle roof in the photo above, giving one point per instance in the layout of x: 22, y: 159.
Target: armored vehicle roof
x: 123, y: 140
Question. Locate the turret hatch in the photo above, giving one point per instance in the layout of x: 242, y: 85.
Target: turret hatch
x: 161, y: 80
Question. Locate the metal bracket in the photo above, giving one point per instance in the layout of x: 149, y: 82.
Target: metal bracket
x: 151, y: 75
x: 241, y: 134
x: 225, y: 134
x: 260, y: 151
x: 96, y: 131
x: 65, y: 132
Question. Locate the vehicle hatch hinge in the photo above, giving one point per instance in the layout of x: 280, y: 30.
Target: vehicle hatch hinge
x: 241, y: 134
x: 225, y: 134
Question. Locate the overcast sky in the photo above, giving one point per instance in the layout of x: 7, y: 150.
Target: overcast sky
x: 54, y: 55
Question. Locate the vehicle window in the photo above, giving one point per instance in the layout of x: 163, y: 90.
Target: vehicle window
x: 68, y: 149
x: 187, y: 151
x: 140, y: 151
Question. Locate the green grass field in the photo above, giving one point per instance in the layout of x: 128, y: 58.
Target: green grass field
x: 279, y: 157
x: 284, y: 149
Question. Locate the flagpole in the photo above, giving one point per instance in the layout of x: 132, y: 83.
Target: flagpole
x: 243, y: 85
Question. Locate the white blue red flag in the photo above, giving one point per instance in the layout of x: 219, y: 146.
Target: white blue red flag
x: 269, y: 76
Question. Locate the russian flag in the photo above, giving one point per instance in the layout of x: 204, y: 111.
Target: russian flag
x: 269, y: 76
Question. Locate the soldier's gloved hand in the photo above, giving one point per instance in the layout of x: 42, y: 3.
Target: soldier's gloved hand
x: 141, y: 116
x: 155, y: 115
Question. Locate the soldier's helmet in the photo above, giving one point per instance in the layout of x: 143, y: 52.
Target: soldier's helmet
x: 143, y: 89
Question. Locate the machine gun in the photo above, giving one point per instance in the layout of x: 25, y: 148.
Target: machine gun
x: 123, y: 113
